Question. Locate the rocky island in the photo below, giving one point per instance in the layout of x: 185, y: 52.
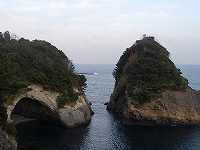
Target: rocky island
x: 38, y: 81
x: 149, y: 89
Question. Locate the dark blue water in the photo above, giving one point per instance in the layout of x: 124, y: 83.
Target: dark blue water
x: 106, y: 131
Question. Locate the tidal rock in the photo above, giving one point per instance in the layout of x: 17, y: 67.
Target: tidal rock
x: 106, y: 103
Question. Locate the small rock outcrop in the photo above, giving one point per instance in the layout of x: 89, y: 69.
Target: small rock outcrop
x: 149, y: 89
x: 42, y: 104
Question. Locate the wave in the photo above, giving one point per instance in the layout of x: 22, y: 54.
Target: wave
x: 94, y: 73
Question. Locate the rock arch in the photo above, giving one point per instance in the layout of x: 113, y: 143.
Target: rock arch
x: 42, y: 104
x: 36, y: 103
x: 35, y: 109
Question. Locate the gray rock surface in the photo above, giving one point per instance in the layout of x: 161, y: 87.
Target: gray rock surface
x: 76, y: 115
x: 6, y: 144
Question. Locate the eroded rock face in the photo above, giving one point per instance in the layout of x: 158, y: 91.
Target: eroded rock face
x: 172, y: 108
x: 41, y: 104
x: 78, y: 114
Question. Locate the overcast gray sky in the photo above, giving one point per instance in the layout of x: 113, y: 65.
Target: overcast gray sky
x: 98, y: 31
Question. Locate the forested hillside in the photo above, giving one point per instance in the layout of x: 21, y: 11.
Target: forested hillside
x: 24, y: 62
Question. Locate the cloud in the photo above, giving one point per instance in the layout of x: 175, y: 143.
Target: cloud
x: 165, y: 6
x: 57, y: 5
x: 23, y: 9
x: 91, y: 6
x: 1, y: 4
x: 31, y: 7
x: 22, y: 22
x: 94, y: 28
x: 28, y: 9
x: 145, y: 14
x: 84, y: 6
x: 124, y: 16
x: 115, y: 5
x: 90, y: 18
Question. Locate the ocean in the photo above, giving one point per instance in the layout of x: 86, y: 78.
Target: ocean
x: 106, y: 131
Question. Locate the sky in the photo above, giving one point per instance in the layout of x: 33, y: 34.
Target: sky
x: 99, y: 31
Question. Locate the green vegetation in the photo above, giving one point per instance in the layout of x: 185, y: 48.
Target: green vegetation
x: 24, y: 62
x: 150, y: 72
x: 143, y: 96
x: 65, y: 97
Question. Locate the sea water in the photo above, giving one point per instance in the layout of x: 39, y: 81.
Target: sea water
x: 106, y: 131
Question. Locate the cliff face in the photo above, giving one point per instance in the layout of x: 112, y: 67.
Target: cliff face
x: 41, y: 104
x: 149, y: 89
x: 172, y: 108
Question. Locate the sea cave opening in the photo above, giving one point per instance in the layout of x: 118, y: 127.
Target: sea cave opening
x: 28, y: 109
